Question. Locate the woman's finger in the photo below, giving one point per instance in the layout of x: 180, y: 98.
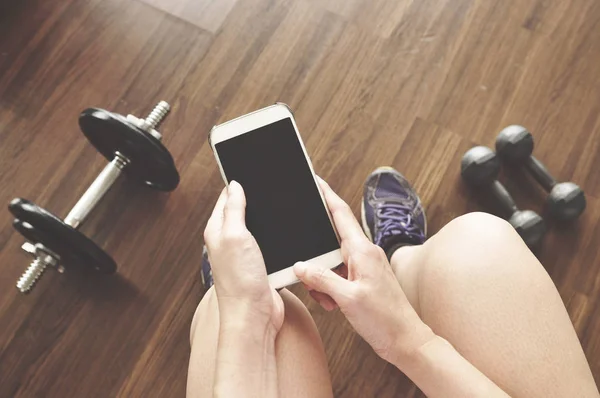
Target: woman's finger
x: 345, y: 222
x: 215, y: 222
x: 324, y: 300
x: 235, y: 208
x: 323, y: 280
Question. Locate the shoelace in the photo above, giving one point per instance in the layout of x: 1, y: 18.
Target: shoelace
x: 395, y: 219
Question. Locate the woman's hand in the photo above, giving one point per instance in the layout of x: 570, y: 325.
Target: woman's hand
x: 238, y: 267
x: 250, y: 311
x: 371, y: 298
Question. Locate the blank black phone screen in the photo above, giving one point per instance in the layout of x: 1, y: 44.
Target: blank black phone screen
x: 284, y: 210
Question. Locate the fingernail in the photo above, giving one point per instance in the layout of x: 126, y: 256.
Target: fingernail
x: 300, y: 268
x: 234, y: 186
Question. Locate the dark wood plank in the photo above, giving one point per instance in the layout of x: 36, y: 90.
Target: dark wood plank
x: 411, y: 84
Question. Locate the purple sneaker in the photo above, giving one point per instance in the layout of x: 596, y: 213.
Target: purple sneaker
x: 392, y: 214
x: 206, y: 272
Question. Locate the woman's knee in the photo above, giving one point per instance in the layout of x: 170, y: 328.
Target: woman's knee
x: 480, y: 228
x: 297, y: 321
x: 476, y: 248
x: 301, y: 360
x: 476, y: 233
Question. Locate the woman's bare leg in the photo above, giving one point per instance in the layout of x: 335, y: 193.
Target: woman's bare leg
x: 477, y: 285
x: 301, y: 361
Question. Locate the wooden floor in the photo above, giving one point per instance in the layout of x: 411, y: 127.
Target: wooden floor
x: 411, y: 84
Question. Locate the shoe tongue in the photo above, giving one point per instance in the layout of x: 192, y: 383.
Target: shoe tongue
x: 385, y: 192
x: 385, y: 187
x: 388, y: 190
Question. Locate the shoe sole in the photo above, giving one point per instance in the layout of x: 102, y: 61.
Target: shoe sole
x: 363, y: 217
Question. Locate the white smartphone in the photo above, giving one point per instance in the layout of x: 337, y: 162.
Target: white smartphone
x: 285, y: 208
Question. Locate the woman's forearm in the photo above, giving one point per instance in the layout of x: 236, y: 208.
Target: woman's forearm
x: 245, y: 364
x: 440, y: 371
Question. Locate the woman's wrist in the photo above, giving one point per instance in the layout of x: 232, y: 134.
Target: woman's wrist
x: 247, y: 333
x: 439, y: 370
x: 243, y: 315
x: 408, y: 343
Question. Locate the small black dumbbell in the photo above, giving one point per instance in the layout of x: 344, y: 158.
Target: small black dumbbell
x: 480, y: 168
x: 566, y: 200
x: 132, y: 146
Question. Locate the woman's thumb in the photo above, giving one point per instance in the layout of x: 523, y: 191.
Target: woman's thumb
x: 321, y: 279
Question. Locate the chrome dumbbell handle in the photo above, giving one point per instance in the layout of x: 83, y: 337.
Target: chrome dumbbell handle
x: 96, y: 191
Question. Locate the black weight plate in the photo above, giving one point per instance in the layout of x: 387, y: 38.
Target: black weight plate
x: 40, y: 226
x: 151, y: 163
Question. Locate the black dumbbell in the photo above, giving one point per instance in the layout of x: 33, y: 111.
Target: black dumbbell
x: 566, y: 200
x: 480, y: 168
x: 132, y: 146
